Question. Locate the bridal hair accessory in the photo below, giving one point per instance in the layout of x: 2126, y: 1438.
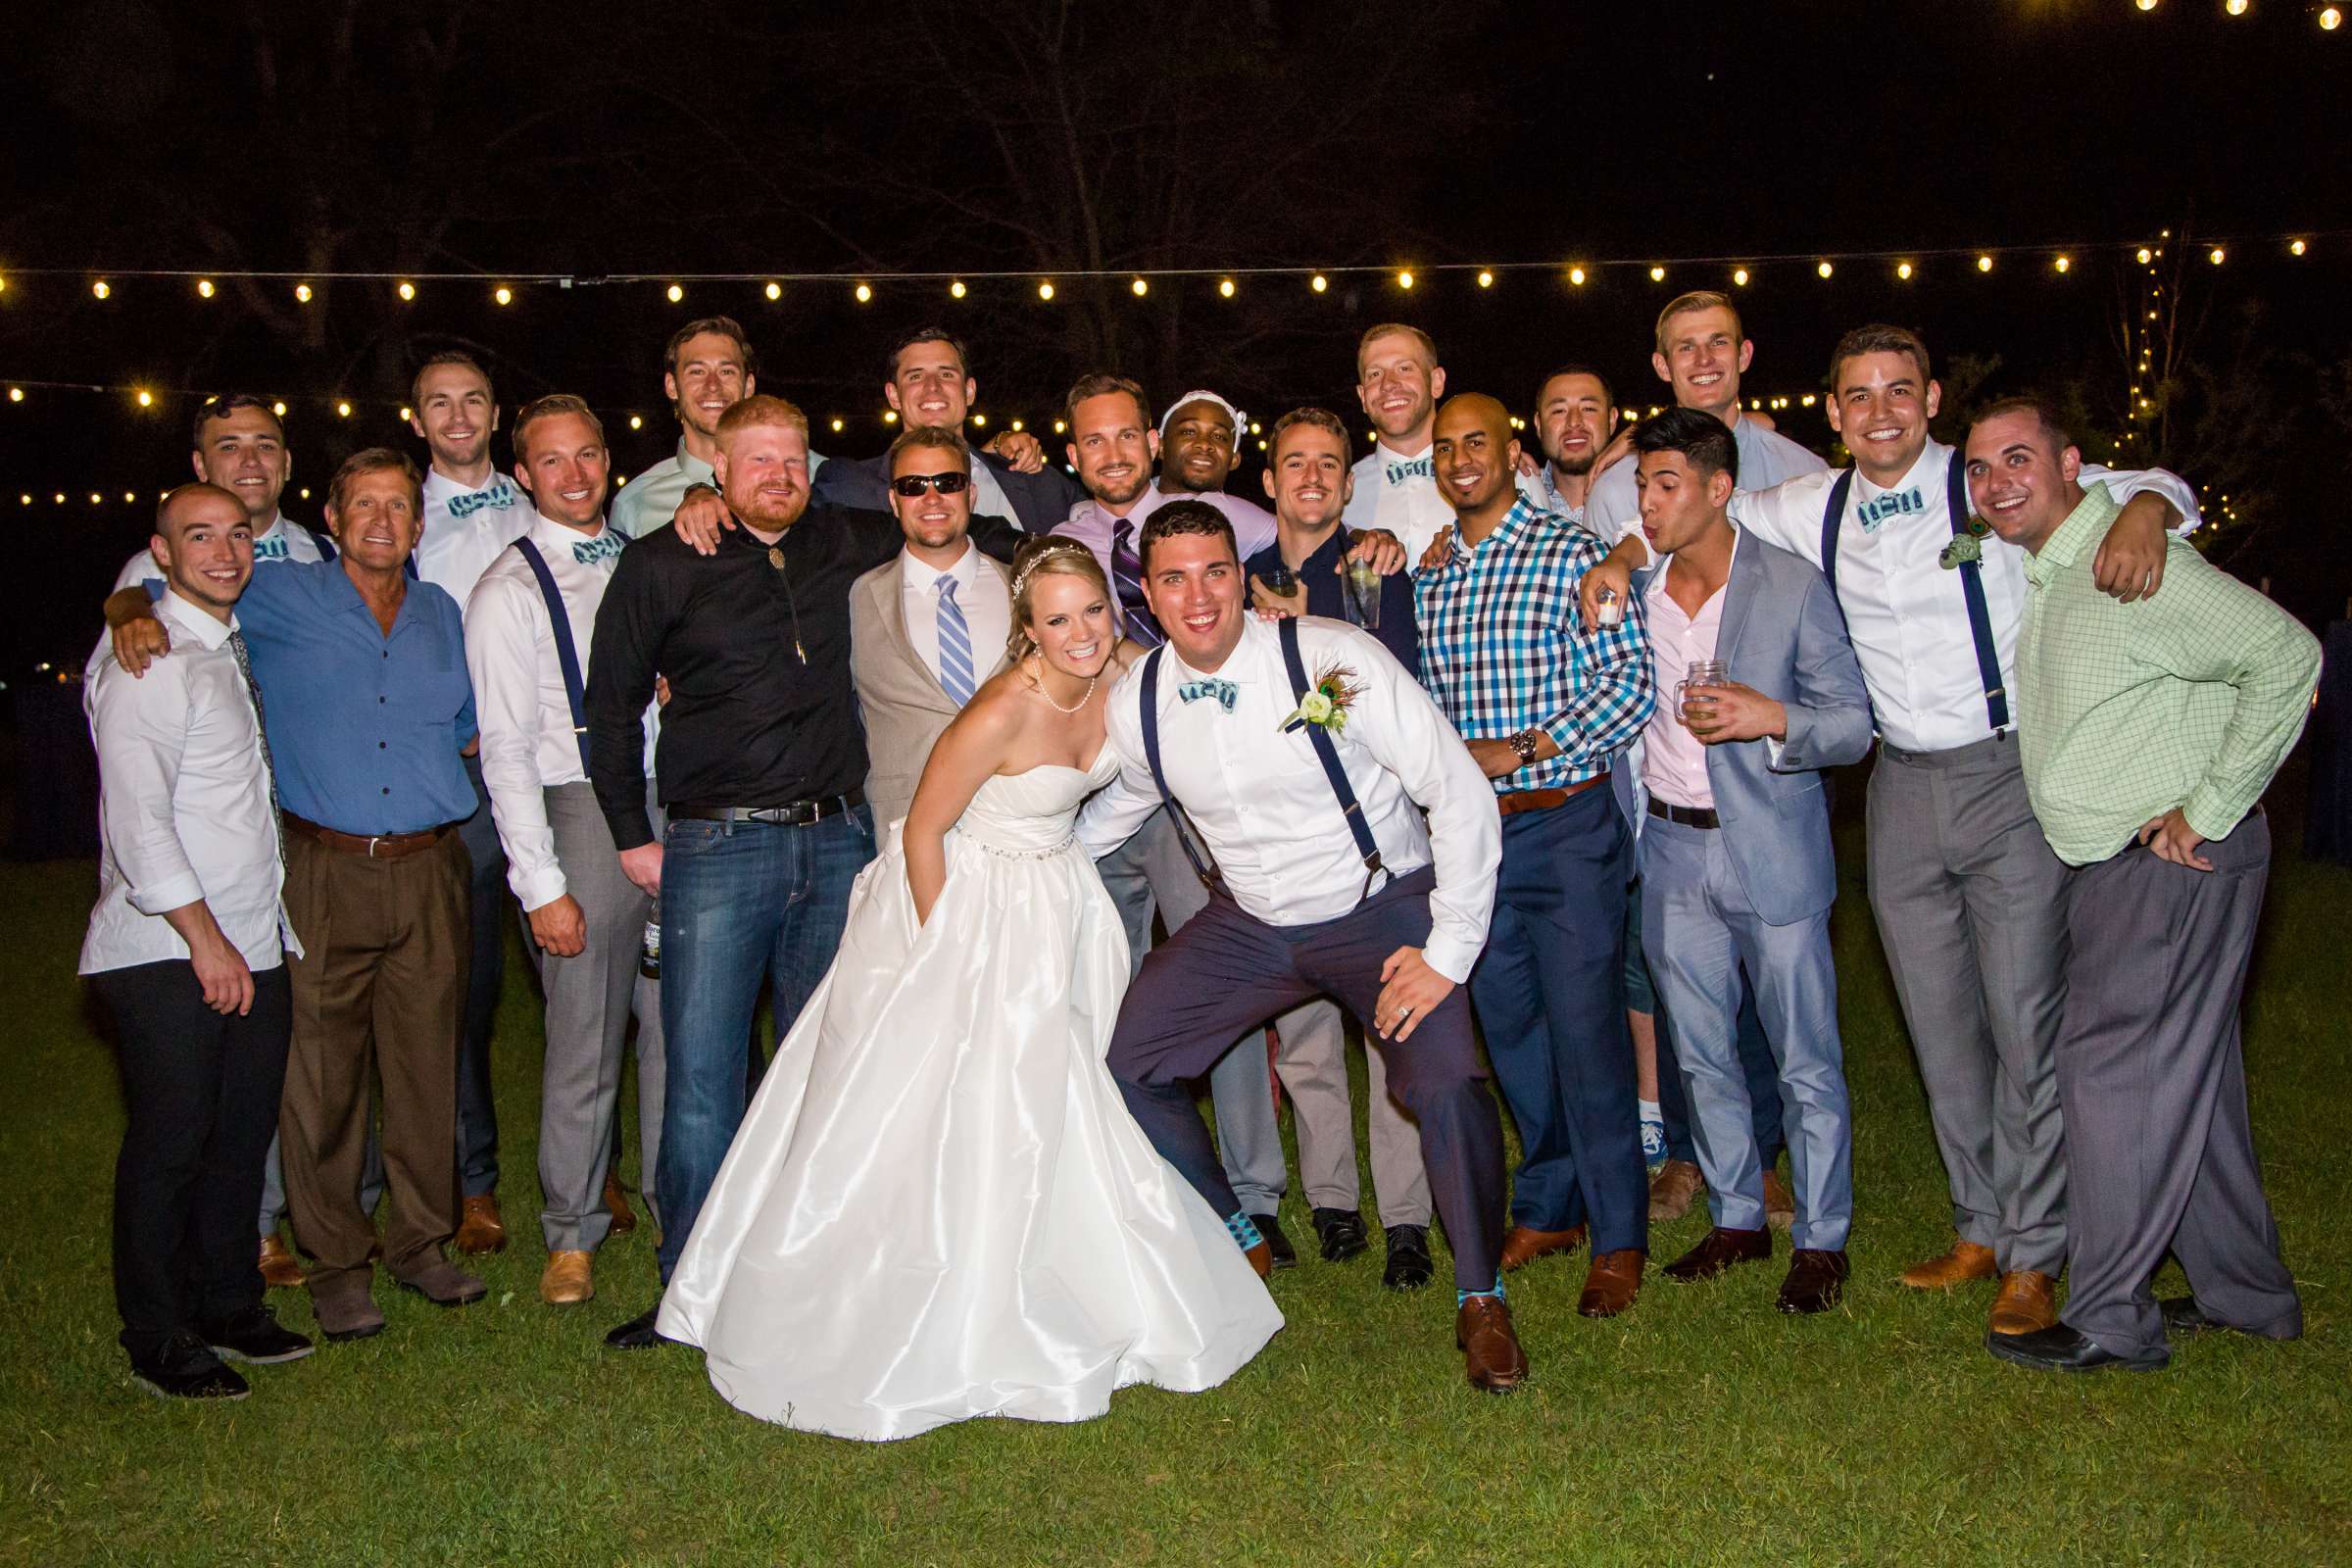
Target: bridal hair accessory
x: 1058, y: 550
x: 1326, y: 702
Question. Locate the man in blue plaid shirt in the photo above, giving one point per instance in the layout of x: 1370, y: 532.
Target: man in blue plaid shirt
x: 1545, y: 704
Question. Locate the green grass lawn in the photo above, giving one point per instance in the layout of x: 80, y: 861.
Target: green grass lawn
x: 1701, y: 1428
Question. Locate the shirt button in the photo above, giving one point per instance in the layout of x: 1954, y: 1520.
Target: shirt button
x: 387, y: 789
x: 380, y: 746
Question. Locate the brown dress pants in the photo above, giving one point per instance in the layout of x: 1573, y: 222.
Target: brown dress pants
x: 377, y: 991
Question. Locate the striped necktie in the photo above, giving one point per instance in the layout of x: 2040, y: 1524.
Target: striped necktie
x: 954, y: 646
x: 236, y: 645
x: 1127, y: 576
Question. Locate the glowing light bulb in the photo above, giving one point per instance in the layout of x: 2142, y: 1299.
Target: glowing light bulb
x: 2330, y: 17
x: 2235, y: 7
x: 1825, y: 269
x: 16, y: 393
x: 1486, y: 279
x: 1225, y: 285
x: 2145, y: 5
x: 2145, y: 255
x: 204, y: 288
x: 129, y: 496
x: 1318, y: 282
x: 96, y: 498
x: 2217, y: 256
x: 1739, y: 277
x: 1903, y: 269
x: 837, y: 427
x: 890, y: 415
x: 1576, y: 276
x: 2296, y: 249
x: 278, y: 408
x: 343, y: 411
x: 1657, y: 275
x: 980, y: 419
x: 866, y: 293
x: 146, y: 399
x: 101, y: 289
x: 1016, y: 425
x: 1044, y: 291
x: 406, y: 414
x: 2063, y: 263
x: 636, y: 421
x: 1983, y: 264
x: 676, y: 292
x: 1404, y: 281
x: 1060, y: 426
x: 775, y: 291
x: 302, y: 293
x: 956, y: 290
x: 503, y: 294
x: 407, y: 291
x: 1140, y: 288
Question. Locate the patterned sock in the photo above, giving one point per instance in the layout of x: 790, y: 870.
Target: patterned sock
x: 1459, y: 1297
x: 1244, y: 1229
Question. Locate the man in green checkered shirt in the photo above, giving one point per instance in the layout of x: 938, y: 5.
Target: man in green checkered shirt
x: 2148, y: 732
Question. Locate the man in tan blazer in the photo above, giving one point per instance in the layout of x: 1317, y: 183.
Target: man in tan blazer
x: 927, y: 628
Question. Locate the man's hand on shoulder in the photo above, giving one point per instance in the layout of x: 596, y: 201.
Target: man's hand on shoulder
x: 1021, y: 451
x: 701, y: 517
x: 131, y: 626
x: 2130, y: 564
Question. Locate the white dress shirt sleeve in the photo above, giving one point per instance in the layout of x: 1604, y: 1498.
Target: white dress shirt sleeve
x: 1122, y: 806
x: 1787, y: 515
x: 2125, y: 483
x: 141, y: 728
x: 505, y: 624
x: 1407, y: 734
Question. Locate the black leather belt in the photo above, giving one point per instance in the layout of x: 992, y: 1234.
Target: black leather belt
x: 792, y: 813
x: 1686, y: 815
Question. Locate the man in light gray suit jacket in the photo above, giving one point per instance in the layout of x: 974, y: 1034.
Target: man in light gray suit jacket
x: 929, y: 626
x: 1737, y: 874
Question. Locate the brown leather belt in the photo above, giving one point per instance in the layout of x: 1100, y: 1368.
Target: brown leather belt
x: 1686, y: 815
x: 376, y: 847
x: 1518, y: 800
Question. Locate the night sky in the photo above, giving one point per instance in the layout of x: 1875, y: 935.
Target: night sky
x: 505, y: 142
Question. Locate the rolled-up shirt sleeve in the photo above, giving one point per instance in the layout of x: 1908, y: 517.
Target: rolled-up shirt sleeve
x: 1407, y: 734
x: 141, y: 729
x: 503, y: 621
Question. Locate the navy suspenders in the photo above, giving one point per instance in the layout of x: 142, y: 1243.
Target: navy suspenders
x: 568, y: 657
x: 1972, y: 579
x: 326, y: 544
x: 1325, y: 753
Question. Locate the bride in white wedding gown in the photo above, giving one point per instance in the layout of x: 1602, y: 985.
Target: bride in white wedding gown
x: 938, y: 1205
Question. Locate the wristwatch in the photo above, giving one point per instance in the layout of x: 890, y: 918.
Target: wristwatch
x: 1524, y: 743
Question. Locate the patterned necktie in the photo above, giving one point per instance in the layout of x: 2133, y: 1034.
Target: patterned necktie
x: 236, y: 645
x: 954, y: 646
x: 1127, y: 576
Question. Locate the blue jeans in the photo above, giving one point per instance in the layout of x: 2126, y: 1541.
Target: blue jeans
x: 741, y: 901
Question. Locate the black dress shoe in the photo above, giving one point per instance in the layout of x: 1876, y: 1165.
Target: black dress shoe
x: 1720, y: 1249
x: 2065, y: 1349
x: 186, y: 1368
x: 1270, y: 1228
x: 1342, y: 1232
x: 255, y: 1335
x: 2182, y: 1315
x: 1409, y: 1266
x: 638, y: 1333
x: 1816, y: 1282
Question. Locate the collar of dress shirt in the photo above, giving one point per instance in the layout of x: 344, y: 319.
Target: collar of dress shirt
x: 192, y: 618
x: 548, y: 534
x: 1928, y: 473
x: 920, y: 574
x: 278, y: 529
x: 1145, y: 505
x: 438, y: 484
x: 1383, y: 453
x: 1656, y: 590
x: 2089, y: 522
x: 693, y: 466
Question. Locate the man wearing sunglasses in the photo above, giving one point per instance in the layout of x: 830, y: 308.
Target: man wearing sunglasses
x: 928, y: 628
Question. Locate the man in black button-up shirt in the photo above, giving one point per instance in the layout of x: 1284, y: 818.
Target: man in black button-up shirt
x: 753, y: 640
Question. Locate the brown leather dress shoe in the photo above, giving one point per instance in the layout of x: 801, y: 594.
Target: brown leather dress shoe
x: 1489, y: 1346
x: 1816, y: 1282
x: 1719, y: 1252
x: 2027, y: 1304
x: 1522, y: 1245
x: 616, y: 1203
x: 567, y: 1280
x: 480, y: 1228
x: 1261, y: 1259
x: 1966, y: 1261
x: 1612, y: 1284
x: 1674, y: 1189
x: 1780, y: 1203
x: 280, y: 1270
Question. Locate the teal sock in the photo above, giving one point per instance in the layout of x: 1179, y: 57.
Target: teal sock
x: 1459, y: 1297
x: 1244, y: 1229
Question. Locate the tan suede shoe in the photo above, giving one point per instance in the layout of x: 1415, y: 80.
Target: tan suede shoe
x: 1966, y: 1261
x: 1674, y: 1189
x: 566, y: 1280
x: 1780, y: 1203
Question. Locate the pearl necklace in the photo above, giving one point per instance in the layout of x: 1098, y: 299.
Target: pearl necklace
x: 1049, y: 696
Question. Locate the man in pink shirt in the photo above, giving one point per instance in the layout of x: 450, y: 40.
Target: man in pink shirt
x: 1736, y: 870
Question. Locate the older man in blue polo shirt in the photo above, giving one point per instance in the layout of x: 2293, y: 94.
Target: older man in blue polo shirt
x: 366, y: 707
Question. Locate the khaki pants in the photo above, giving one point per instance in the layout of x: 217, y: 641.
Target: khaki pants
x: 377, y: 991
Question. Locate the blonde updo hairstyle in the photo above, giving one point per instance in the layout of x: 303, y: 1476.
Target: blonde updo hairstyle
x: 1045, y: 556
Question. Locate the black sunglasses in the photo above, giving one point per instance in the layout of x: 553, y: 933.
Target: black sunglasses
x: 950, y: 483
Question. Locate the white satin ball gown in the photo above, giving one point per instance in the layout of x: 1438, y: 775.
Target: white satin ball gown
x: 938, y: 1205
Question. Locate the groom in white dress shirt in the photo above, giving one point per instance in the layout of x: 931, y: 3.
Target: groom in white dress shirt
x: 1324, y: 881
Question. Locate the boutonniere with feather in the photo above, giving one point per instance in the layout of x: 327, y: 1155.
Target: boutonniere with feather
x: 1326, y: 702
x: 1965, y: 547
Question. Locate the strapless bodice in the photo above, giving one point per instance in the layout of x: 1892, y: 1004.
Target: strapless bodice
x: 1031, y: 813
